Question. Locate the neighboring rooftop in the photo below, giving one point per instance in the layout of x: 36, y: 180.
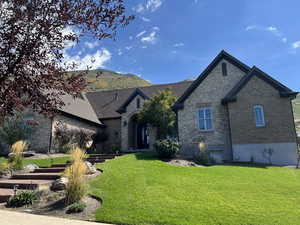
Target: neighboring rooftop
x: 106, y: 103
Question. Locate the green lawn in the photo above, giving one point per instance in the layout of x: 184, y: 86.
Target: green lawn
x: 138, y: 189
x: 41, y: 162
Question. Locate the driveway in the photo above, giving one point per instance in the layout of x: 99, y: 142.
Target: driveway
x: 16, y: 218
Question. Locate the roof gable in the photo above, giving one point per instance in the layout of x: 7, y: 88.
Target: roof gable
x: 106, y: 103
x: 137, y: 92
x: 283, y: 90
x: 222, y: 55
x: 79, y: 108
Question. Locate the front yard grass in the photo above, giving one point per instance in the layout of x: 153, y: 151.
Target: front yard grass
x: 47, y: 162
x: 139, y: 189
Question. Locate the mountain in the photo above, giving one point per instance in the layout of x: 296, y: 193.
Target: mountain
x: 108, y: 80
x: 296, y: 104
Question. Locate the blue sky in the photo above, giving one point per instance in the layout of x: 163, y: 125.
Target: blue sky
x: 172, y: 40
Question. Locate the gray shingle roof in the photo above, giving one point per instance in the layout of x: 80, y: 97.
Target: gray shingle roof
x: 106, y: 103
x: 79, y: 107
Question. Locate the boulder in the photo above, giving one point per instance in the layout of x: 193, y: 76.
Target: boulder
x: 30, y: 168
x: 60, y: 184
x: 90, y: 168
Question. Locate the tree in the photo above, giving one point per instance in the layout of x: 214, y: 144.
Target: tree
x: 33, y: 36
x: 157, y: 112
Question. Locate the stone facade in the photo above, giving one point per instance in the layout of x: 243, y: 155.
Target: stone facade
x: 45, y: 132
x: 113, y: 131
x: 126, y: 134
x: 209, y: 94
x: 71, y: 123
x: 41, y: 138
x: 278, y: 133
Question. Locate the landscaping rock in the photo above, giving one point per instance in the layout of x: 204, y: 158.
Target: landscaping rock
x: 30, y: 168
x: 90, y: 168
x: 60, y: 184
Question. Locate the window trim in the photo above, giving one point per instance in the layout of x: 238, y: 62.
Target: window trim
x: 212, y: 119
x: 262, y: 114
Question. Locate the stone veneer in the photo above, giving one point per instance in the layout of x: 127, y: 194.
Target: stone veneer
x: 209, y: 93
x: 41, y: 139
x: 132, y: 110
x: 113, y: 130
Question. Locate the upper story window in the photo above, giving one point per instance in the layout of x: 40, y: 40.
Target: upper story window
x: 259, y: 116
x: 205, y: 119
x: 138, y: 103
x: 224, y: 69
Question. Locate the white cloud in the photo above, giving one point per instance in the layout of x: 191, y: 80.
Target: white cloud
x: 91, y: 45
x: 296, y: 44
x: 145, y: 19
x: 139, y: 8
x: 153, y: 5
x: 120, y: 52
x: 156, y: 28
x: 130, y: 37
x: 274, y: 30
x: 178, y: 45
x: 128, y: 47
x: 251, y: 27
x: 150, y: 5
x: 91, y: 61
x: 140, y: 34
x: 151, y: 39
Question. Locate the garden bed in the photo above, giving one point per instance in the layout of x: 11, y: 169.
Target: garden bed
x: 53, y: 204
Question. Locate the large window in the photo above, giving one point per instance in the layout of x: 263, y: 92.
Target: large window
x: 205, y: 119
x: 259, y: 116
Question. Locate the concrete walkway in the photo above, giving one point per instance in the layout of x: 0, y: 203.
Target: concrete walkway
x: 16, y: 218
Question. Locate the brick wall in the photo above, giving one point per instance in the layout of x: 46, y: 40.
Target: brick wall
x: 208, y: 93
x: 278, y: 115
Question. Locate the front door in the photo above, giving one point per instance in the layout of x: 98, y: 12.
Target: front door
x: 142, y: 136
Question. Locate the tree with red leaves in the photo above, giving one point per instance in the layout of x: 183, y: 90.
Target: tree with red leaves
x: 33, y: 36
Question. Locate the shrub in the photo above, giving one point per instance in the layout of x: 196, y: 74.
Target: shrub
x: 82, y: 138
x: 23, y: 198
x: 66, y: 138
x: 76, y: 187
x: 167, y: 148
x: 76, y: 207
x: 63, y: 138
x: 203, y: 157
x: 16, y: 156
x: 15, y: 129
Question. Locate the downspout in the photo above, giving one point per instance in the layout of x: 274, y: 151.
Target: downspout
x: 230, y: 134
x: 50, y: 138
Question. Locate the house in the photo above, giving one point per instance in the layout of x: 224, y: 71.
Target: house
x: 241, y: 113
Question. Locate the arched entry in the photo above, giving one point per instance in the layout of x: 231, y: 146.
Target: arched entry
x: 138, y: 134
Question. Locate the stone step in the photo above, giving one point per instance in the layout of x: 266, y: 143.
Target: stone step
x: 37, y: 176
x: 50, y: 170
x: 26, y: 184
x: 93, y: 160
x: 106, y: 156
x: 60, y: 165
x: 5, y: 194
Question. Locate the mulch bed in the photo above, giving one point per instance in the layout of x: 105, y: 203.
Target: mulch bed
x: 53, y: 204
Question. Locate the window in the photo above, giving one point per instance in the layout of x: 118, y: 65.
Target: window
x: 259, y: 116
x: 205, y: 119
x: 224, y: 69
x: 138, y: 103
